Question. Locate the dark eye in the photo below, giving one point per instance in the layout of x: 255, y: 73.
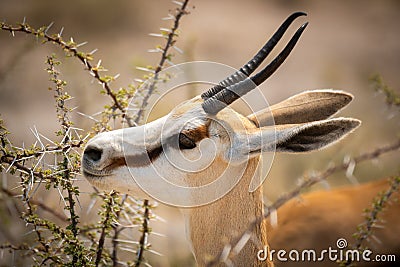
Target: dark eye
x: 185, y: 142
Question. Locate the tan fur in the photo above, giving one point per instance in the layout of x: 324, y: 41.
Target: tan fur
x: 317, y: 220
x: 215, y: 225
x: 296, y: 109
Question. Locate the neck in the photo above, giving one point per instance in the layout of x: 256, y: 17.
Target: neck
x: 222, y: 222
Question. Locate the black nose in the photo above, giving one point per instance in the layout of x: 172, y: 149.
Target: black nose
x: 93, y: 153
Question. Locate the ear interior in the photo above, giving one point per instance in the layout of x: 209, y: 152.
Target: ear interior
x: 314, y: 135
x: 304, y: 107
x: 291, y: 137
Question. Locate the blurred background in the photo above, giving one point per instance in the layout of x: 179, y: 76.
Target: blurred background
x: 345, y: 44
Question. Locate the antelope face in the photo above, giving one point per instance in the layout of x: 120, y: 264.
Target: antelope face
x: 175, y: 147
x: 183, y: 152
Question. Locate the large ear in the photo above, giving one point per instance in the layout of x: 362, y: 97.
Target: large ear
x: 304, y: 107
x: 292, y: 137
x: 314, y: 135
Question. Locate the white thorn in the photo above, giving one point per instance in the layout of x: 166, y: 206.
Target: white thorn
x: 169, y: 17
x: 242, y: 242
x: 273, y: 218
x: 157, y: 50
x: 350, y: 168
x: 127, y: 241
x: 12, y: 163
x: 127, y: 249
x: 170, y: 62
x: 178, y: 3
x: 62, y: 198
x: 155, y: 233
x: 61, y: 32
x: 156, y: 34
x: 225, y: 252
x: 47, y: 139
x: 144, y: 69
x: 180, y: 51
x: 81, y: 44
x: 165, y: 30
x: 155, y: 252
x: 48, y: 27
x: 93, y: 51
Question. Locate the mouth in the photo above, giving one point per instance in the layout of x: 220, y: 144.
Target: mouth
x: 90, y: 171
x: 92, y: 174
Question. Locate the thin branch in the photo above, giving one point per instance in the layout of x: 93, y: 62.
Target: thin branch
x: 392, y: 98
x: 106, y: 224
x: 71, y: 47
x: 379, y: 204
x: 164, y: 57
x: 30, y: 213
x: 145, y: 232
x: 21, y: 168
x: 20, y: 247
x: 62, y: 112
x: 117, y: 231
x: 38, y: 203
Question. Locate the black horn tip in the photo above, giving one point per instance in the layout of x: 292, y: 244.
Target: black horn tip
x: 230, y: 89
x: 304, y: 25
x: 298, y: 14
x: 274, y: 65
x: 301, y: 29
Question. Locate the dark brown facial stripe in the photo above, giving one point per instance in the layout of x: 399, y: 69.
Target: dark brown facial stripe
x: 154, y: 153
x: 139, y: 160
x: 145, y: 159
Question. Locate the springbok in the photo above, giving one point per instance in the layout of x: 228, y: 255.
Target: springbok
x: 318, y: 219
x: 205, y: 127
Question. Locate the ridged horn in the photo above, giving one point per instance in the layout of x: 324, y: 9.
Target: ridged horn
x: 256, y: 61
x: 234, y: 91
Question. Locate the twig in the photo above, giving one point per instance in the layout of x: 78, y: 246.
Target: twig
x: 20, y: 247
x: 30, y: 214
x: 21, y: 168
x: 145, y: 233
x: 71, y: 47
x: 106, y: 224
x: 62, y: 112
x: 170, y: 43
x: 37, y: 203
x: 371, y: 216
x: 392, y: 98
x: 117, y: 231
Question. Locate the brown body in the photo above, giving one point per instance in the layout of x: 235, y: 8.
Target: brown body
x: 318, y: 219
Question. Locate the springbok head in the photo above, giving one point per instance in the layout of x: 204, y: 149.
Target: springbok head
x: 199, y: 138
